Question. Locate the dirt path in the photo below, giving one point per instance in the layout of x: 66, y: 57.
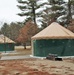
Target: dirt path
x: 32, y: 66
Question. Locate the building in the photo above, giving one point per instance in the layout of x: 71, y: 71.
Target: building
x: 6, y: 44
x: 54, y: 39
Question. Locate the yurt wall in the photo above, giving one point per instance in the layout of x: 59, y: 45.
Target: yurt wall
x: 61, y: 47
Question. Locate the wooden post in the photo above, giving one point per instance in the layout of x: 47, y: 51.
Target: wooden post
x: 4, y: 43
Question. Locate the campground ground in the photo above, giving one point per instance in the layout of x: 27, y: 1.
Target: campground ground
x: 35, y: 66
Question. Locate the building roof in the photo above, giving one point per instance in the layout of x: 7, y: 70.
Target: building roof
x: 4, y: 39
x: 54, y: 31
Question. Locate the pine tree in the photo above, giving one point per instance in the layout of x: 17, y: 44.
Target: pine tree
x: 28, y: 8
x: 70, y: 10
x: 55, y: 9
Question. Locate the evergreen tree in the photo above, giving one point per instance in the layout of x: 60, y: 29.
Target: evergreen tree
x: 11, y: 30
x: 55, y: 9
x: 46, y: 17
x: 5, y: 29
x: 28, y: 8
x: 70, y: 10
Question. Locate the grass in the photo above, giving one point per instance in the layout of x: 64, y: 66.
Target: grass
x: 19, y: 50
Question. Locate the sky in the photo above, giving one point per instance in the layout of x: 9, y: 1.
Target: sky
x: 9, y: 11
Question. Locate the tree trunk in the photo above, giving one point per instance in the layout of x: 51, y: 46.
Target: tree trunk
x: 34, y: 15
x: 24, y: 44
x: 69, y: 17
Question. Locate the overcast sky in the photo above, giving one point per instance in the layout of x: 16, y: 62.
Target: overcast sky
x: 8, y: 11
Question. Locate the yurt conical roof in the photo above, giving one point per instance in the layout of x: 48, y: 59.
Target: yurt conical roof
x: 1, y: 41
x: 54, y: 31
x: 4, y: 39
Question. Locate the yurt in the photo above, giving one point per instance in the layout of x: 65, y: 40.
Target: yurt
x: 54, y: 39
x: 6, y: 44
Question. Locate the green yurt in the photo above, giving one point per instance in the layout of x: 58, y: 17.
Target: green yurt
x: 6, y: 44
x: 54, y: 39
